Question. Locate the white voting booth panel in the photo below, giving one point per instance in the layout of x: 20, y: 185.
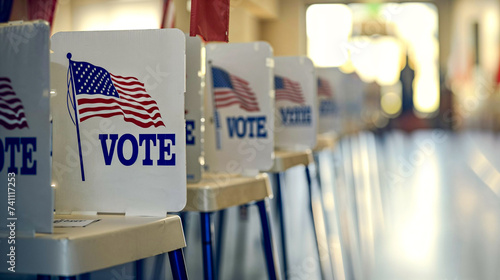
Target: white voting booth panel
x: 351, y: 99
x: 195, y: 79
x: 329, y: 81
x: 296, y: 103
x: 118, y: 120
x: 26, y: 197
x: 239, y: 107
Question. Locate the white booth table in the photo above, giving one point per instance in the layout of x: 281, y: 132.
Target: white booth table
x: 111, y: 241
x: 326, y: 142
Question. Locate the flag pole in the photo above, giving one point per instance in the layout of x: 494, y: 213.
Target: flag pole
x: 75, y: 108
x: 164, y: 15
x: 216, y: 112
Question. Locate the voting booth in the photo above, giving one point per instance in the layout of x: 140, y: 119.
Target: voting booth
x: 25, y: 136
x: 351, y: 99
x: 329, y: 87
x: 239, y: 110
x: 295, y: 89
x: 238, y: 139
x: 118, y: 147
x: 329, y: 80
x: 195, y: 81
x: 120, y: 105
x: 25, y: 130
x: 296, y: 132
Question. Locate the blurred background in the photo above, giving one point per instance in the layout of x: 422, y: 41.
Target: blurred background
x: 418, y: 64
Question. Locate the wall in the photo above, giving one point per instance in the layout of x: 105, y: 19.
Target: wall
x: 287, y: 33
x: 244, y: 19
x: 63, y: 17
x: 280, y: 22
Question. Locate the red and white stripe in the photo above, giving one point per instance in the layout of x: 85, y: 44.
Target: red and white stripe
x: 135, y: 104
x: 11, y: 108
x: 291, y: 91
x: 168, y: 18
x: 240, y: 94
x: 324, y: 89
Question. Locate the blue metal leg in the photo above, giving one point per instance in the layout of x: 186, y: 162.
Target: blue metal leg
x: 139, y: 269
x: 279, y: 201
x: 311, y: 208
x: 318, y: 173
x: 85, y: 276
x: 271, y: 258
x: 327, y: 223
x: 42, y: 277
x: 218, y: 243
x: 177, y: 265
x: 206, y: 243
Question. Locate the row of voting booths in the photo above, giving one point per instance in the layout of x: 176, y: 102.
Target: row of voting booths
x: 103, y: 135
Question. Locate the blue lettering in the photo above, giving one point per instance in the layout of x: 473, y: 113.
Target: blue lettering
x: 166, y: 140
x: 147, y: 140
x: 135, y: 149
x: 327, y: 107
x: 26, y: 142
x: 251, y: 127
x: 261, y: 129
x: 190, y: 126
x: 231, y: 127
x: 284, y: 118
x: 306, y: 115
x: 2, y: 155
x: 24, y: 145
x: 243, y: 131
x: 299, y: 115
x: 147, y: 155
x: 14, y: 144
x: 108, y: 154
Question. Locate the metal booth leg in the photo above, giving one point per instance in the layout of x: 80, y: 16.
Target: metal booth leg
x: 271, y: 258
x: 311, y: 206
x: 177, y: 264
x: 139, y: 269
x: 206, y: 243
x: 218, y: 242
x: 281, y: 216
x: 315, y: 220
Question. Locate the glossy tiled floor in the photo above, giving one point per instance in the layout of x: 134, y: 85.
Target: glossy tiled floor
x: 417, y: 206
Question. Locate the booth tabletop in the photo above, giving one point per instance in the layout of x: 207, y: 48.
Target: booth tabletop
x: 113, y: 240
x: 284, y: 160
x: 325, y: 142
x: 220, y: 191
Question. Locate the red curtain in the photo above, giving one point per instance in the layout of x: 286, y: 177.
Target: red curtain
x: 168, y: 18
x: 42, y: 9
x: 210, y: 19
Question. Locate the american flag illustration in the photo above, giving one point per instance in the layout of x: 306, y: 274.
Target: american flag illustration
x: 289, y: 90
x: 230, y: 90
x: 324, y: 88
x: 100, y: 93
x: 11, y: 108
